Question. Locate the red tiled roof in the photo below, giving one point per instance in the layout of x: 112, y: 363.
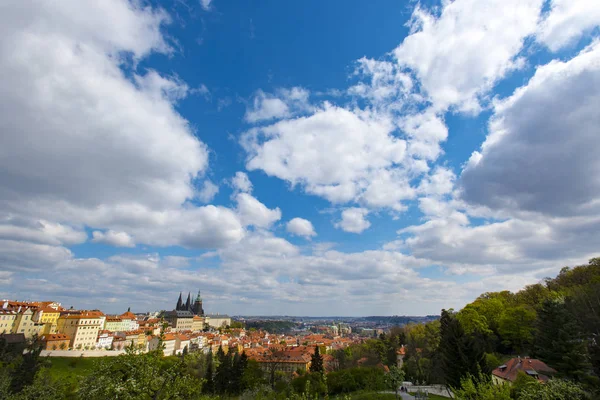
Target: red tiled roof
x: 128, y: 315
x: 530, y: 366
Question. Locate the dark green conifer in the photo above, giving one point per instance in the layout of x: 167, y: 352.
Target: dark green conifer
x: 559, y: 341
x: 209, y: 384
x: 316, y: 362
x: 459, y: 354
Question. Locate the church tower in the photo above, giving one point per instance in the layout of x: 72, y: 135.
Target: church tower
x: 188, y: 303
x: 179, y: 303
x: 197, y: 308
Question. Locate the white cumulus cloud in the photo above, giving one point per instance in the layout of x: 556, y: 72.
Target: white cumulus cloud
x: 301, y: 227
x: 354, y: 220
x: 567, y: 21
x: 90, y: 140
x: 117, y: 239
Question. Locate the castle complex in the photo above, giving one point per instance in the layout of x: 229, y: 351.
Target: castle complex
x: 190, y: 316
x: 195, y: 308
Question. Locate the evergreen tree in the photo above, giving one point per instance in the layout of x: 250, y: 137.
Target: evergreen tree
x: 594, y: 350
x: 559, y: 342
x: 223, y: 372
x: 209, y: 384
x: 236, y: 375
x: 316, y: 362
x: 26, y: 364
x: 241, y: 366
x: 459, y: 355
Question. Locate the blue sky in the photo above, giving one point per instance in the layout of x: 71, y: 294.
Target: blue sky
x: 296, y: 157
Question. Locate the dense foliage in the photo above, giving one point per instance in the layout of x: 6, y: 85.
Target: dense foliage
x: 556, y: 321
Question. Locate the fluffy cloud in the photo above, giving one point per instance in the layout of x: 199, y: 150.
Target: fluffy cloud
x: 507, y: 247
x: 206, y: 4
x: 73, y: 152
x: 301, y: 227
x: 241, y: 182
x: 541, y: 153
x: 354, y: 220
x: 253, y: 212
x: 461, y: 54
x: 118, y: 239
x: 567, y: 21
x: 39, y: 231
x: 24, y: 257
x: 438, y: 183
x: 285, y: 103
x: 208, y: 192
x: 334, y: 153
x: 383, y: 82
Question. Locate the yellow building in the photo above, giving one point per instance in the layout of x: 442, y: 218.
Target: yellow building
x: 25, y: 324
x: 81, y: 328
x: 113, y: 324
x: 49, y: 318
x: 7, y: 320
x: 135, y: 338
x: 197, y: 324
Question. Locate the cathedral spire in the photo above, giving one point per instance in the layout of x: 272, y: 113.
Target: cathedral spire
x: 197, y: 307
x: 188, y: 303
x: 179, y: 302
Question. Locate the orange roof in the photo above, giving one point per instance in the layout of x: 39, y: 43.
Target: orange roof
x: 169, y: 336
x: 128, y: 315
x: 48, y: 310
x: 532, y: 367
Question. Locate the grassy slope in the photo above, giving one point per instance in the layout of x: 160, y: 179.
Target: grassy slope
x: 65, y: 367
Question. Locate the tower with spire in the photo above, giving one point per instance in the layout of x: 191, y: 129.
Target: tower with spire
x: 179, y: 305
x: 197, y: 307
x: 188, y: 303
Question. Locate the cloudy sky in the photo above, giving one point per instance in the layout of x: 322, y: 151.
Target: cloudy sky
x: 302, y: 158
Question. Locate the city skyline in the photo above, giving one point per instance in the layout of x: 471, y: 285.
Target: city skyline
x: 312, y: 159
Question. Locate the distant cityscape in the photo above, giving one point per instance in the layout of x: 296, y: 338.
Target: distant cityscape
x: 287, y: 341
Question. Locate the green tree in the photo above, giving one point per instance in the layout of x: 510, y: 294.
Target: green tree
x: 237, y: 372
x: 253, y: 376
x: 316, y: 362
x: 472, y: 321
x: 139, y: 376
x: 223, y: 371
x: 43, y: 387
x: 516, y: 327
x: 209, y: 379
x: 554, y: 389
x: 481, y: 388
x: 21, y: 362
x: 559, y: 341
x: 394, y: 379
x: 460, y: 357
x: 523, y: 380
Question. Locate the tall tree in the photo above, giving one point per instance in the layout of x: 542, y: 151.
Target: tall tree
x: 559, y: 341
x: 394, y: 379
x: 316, y: 362
x: 237, y: 372
x: 223, y: 371
x: 459, y: 355
x: 209, y: 379
x: 516, y: 327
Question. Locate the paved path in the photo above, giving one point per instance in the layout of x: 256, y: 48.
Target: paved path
x: 406, y: 396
